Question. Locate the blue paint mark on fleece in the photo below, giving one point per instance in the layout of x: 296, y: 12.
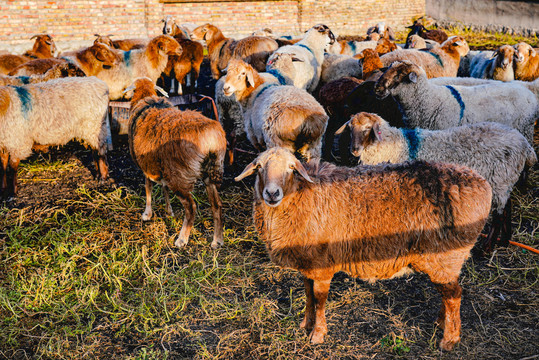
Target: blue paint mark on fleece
x: 306, y: 47
x: 278, y: 75
x: 413, y: 138
x: 26, y: 100
x: 457, y: 96
x: 436, y: 56
x: 24, y: 79
x: 127, y: 58
x: 264, y: 88
x: 353, y: 47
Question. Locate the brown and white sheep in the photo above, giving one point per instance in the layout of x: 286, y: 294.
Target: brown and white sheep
x: 374, y: 222
x: 254, y: 50
x: 38, y: 114
x: 176, y: 148
x: 57, y: 71
x: 496, y: 66
x: 526, y: 62
x: 440, y: 61
x: 43, y: 48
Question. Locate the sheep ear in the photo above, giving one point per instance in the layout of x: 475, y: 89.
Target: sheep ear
x: 342, y: 128
x: 249, y: 170
x: 412, y: 77
x: 376, y: 131
x: 129, y: 88
x: 161, y: 90
x: 250, y: 78
x: 301, y: 170
x: 296, y: 59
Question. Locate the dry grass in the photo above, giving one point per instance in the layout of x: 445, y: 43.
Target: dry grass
x: 82, y: 277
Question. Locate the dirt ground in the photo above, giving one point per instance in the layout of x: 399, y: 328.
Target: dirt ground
x: 385, y: 320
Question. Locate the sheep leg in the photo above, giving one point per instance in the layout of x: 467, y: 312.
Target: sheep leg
x: 231, y: 148
x: 188, y: 220
x: 4, y: 158
x: 168, y: 207
x: 495, y: 227
x: 450, y: 322
x: 217, y: 210
x: 320, y: 290
x: 506, y: 231
x: 14, y: 165
x: 147, y: 215
x: 308, y: 320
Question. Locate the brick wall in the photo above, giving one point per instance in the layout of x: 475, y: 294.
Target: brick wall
x: 73, y: 22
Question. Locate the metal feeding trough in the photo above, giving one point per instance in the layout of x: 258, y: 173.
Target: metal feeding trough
x: 119, y: 110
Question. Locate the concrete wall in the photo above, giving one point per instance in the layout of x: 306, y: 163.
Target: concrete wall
x: 72, y: 23
x: 508, y: 13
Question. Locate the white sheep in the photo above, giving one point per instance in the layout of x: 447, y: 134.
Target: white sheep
x: 497, y: 152
x: 373, y: 222
x: 53, y: 113
x: 310, y: 51
x: 437, y: 62
x: 276, y: 115
x: 496, y: 65
x: 430, y: 106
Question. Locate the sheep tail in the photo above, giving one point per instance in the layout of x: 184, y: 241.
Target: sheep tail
x: 212, y: 168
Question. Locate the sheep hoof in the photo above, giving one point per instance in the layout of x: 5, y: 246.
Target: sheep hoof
x: 180, y: 243
x: 216, y: 244
x: 170, y: 212
x: 307, y: 325
x: 440, y: 323
x: 147, y: 216
x: 317, y: 337
x: 448, y: 345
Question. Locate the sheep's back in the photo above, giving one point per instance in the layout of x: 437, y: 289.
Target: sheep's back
x: 435, y: 62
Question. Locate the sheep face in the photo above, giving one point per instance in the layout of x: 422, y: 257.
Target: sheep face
x: 324, y: 30
x: 415, y: 42
x: 70, y: 70
x: 364, y: 130
x: 275, y: 169
x: 398, y: 73
x: 44, y: 42
x: 523, y: 53
x: 168, y: 27
x: 458, y: 44
x: 105, y: 39
x: 239, y: 77
x: 504, y: 56
x: 166, y: 45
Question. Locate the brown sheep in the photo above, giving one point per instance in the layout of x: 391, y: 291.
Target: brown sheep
x: 176, y: 148
x: 254, y: 50
x: 384, y: 46
x: 43, y: 48
x: 91, y: 61
x: 437, y: 35
x: 371, y: 62
x: 125, y: 44
x: 373, y: 222
x: 526, y: 62
x: 64, y: 69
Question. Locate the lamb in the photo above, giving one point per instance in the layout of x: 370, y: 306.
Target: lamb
x: 176, y: 148
x: 37, y: 114
x: 437, y: 107
x: 498, y: 66
x: 252, y: 49
x: 310, y: 50
x: 497, y: 152
x: 91, y: 61
x: 147, y: 62
x: 526, y: 62
x: 57, y: 71
x: 437, y: 62
x: 375, y: 222
x: 276, y: 115
x: 44, y: 47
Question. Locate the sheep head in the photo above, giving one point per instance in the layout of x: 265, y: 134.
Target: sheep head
x: 141, y: 88
x: 457, y: 44
x: 400, y: 72
x: 205, y: 32
x: 415, y: 42
x: 364, y: 131
x: 105, y: 55
x: 68, y: 70
x: 240, y: 79
x: 105, y: 39
x: 523, y: 53
x: 384, y: 45
x: 323, y: 30
x: 275, y: 170
x: 504, y: 56
x: 44, y: 44
x: 165, y: 45
x: 168, y: 27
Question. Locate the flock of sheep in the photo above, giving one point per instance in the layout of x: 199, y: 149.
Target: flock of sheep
x: 438, y: 153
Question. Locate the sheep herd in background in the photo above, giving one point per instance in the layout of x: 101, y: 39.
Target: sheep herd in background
x: 457, y: 145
